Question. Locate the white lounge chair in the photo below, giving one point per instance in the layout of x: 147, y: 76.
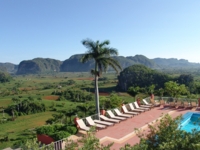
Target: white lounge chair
x: 104, y: 122
x: 109, y: 119
x: 134, y: 109
x: 146, y: 106
x: 82, y: 125
x: 138, y: 107
x: 125, y: 110
x: 111, y: 115
x: 92, y: 123
x: 122, y: 115
x: 146, y: 103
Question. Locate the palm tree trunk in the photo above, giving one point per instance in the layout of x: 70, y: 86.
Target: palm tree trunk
x: 97, y: 96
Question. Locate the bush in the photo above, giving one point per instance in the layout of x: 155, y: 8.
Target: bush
x: 70, y: 129
x: 60, y: 135
x: 57, y: 131
x: 48, y: 130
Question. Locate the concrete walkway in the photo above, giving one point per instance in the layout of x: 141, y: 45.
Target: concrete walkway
x: 124, y: 132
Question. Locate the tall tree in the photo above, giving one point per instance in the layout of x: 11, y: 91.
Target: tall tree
x: 102, y: 56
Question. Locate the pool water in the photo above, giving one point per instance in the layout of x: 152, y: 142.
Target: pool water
x: 190, y: 121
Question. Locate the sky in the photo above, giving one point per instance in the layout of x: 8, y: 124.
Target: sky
x: 55, y: 29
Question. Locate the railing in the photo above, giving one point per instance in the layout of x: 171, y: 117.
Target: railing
x: 57, y: 145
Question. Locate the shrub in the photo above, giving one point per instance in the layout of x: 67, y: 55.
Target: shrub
x: 48, y: 130
x: 60, y: 135
x: 70, y: 129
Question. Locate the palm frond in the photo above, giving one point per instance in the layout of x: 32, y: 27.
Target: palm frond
x: 104, y: 43
x: 114, y: 64
x: 86, y: 57
x: 102, y: 64
x: 113, y: 52
x: 101, y: 54
x: 89, y: 44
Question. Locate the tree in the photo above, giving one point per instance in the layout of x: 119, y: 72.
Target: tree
x: 85, y: 107
x: 4, y: 77
x: 151, y: 88
x: 134, y: 91
x: 101, y: 54
x: 174, y: 89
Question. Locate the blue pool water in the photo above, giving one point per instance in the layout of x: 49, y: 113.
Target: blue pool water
x: 190, y: 121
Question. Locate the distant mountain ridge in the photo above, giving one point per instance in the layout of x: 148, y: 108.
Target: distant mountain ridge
x: 39, y: 65
x: 73, y: 64
x: 8, y: 67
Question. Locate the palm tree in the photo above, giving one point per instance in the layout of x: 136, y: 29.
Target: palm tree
x: 102, y: 56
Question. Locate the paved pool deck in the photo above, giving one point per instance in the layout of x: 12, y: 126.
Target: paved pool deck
x: 124, y: 132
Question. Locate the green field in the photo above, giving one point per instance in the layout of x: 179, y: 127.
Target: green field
x: 40, y: 88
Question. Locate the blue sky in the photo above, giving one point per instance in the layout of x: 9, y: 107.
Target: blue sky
x: 55, y: 29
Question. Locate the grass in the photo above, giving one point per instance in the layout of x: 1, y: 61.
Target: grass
x: 16, y: 129
x: 35, y: 86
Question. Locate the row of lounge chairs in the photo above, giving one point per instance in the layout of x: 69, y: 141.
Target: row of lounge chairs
x: 178, y: 104
x: 132, y: 110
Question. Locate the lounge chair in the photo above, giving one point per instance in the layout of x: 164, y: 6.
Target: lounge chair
x: 146, y: 103
x: 122, y: 115
x: 103, y: 122
x: 162, y: 103
x: 134, y: 109
x: 142, y: 108
x: 109, y: 119
x: 146, y: 106
x: 82, y: 125
x: 111, y: 115
x: 193, y: 104
x: 187, y: 105
x: 92, y: 123
x: 172, y: 104
x: 125, y: 110
x: 179, y: 104
x: 154, y: 103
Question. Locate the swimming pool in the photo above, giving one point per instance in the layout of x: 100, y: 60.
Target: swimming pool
x: 190, y: 121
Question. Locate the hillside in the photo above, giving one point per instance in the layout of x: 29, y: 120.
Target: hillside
x: 175, y: 63
x: 39, y: 65
x: 8, y: 67
x: 73, y: 64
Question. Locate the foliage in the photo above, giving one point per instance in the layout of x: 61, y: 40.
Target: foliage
x: 174, y: 89
x: 71, y: 129
x: 91, y: 142
x: 166, y: 135
x: 70, y: 82
x: 32, y: 144
x: 113, y: 101
x: 47, y: 129
x: 25, y: 107
x: 88, y: 142
x: 141, y: 76
x: 134, y: 90
x: 85, y: 108
x: 60, y: 135
x: 186, y: 79
x: 75, y: 95
x: 57, y: 131
x: 101, y: 54
x: 5, y: 77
